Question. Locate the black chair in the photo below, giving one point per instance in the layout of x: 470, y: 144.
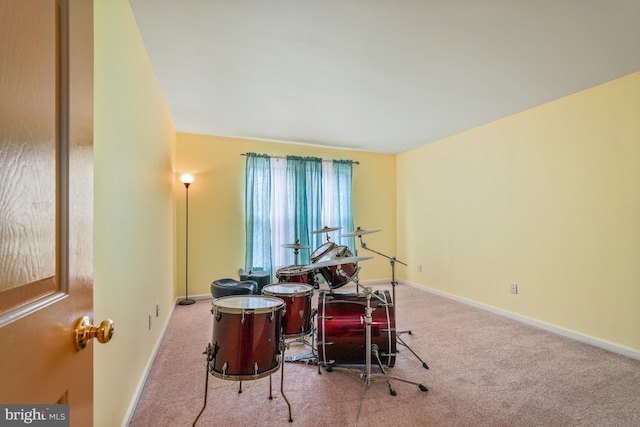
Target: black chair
x: 262, y: 278
x: 226, y: 287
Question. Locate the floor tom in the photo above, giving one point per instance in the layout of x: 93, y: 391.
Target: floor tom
x: 246, y: 338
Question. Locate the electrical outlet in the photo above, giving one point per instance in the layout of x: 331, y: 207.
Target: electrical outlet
x: 419, y: 268
x: 514, y: 288
x: 157, y: 310
x: 150, y: 321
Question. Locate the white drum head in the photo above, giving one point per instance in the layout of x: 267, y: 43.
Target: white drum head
x: 287, y: 289
x: 255, y: 303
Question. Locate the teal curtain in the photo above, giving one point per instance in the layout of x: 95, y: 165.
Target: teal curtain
x: 304, y: 207
x: 343, y: 170
x: 257, y: 213
x: 303, y: 214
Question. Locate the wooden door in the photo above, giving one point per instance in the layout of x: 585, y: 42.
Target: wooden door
x: 46, y: 202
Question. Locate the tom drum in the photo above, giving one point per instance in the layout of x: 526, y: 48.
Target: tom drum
x: 340, y: 274
x: 321, y: 251
x: 297, y: 320
x: 296, y: 274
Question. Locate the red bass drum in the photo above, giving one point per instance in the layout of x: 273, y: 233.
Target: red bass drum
x: 341, y: 330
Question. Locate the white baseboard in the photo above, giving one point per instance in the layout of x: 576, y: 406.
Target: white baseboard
x: 605, y: 345
x: 143, y: 379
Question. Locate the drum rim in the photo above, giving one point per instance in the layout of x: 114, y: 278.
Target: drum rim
x: 296, y: 268
x: 308, y: 291
x: 245, y: 377
x: 280, y: 304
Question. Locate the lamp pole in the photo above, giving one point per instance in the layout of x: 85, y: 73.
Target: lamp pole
x: 187, y: 179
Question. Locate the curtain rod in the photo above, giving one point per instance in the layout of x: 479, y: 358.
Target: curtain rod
x: 355, y: 162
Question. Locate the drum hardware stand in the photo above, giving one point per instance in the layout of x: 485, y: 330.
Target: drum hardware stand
x: 367, y: 375
x: 296, y: 252
x: 210, y: 352
x: 310, y: 357
x: 394, y: 283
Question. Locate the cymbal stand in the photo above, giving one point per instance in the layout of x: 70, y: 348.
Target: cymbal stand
x: 394, y: 283
x: 367, y: 375
x: 296, y: 253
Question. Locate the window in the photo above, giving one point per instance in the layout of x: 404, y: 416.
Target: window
x: 286, y: 200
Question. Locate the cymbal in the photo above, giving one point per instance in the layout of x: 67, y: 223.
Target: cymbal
x: 295, y: 246
x: 339, y: 261
x: 326, y: 229
x: 359, y: 231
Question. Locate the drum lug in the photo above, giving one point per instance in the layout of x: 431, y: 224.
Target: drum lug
x: 282, y: 346
x: 255, y: 370
x: 218, y: 316
x: 211, y: 355
x: 213, y: 350
x: 224, y: 369
x: 242, y: 318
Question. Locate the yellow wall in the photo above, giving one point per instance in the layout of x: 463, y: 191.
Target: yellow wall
x: 216, y: 205
x: 548, y: 198
x: 134, y: 209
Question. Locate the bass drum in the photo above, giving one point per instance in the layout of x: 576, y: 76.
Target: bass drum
x: 246, y: 336
x: 341, y: 333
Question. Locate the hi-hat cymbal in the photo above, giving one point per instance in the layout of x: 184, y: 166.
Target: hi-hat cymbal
x: 339, y: 261
x: 295, y: 246
x: 326, y: 229
x: 359, y: 232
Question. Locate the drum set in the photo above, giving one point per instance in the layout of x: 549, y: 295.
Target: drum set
x: 251, y: 332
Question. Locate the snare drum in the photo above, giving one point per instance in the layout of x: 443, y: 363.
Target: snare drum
x: 246, y: 336
x: 338, y: 275
x: 296, y: 274
x: 341, y: 328
x: 297, y: 298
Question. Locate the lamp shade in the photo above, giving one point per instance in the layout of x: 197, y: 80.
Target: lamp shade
x: 187, y: 178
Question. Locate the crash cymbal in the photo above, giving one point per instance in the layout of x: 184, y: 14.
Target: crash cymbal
x: 339, y: 261
x: 295, y: 246
x: 326, y: 230
x: 359, y: 232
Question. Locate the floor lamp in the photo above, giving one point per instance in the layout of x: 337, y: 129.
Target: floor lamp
x: 187, y: 179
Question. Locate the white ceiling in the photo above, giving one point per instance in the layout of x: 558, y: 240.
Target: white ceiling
x: 377, y: 75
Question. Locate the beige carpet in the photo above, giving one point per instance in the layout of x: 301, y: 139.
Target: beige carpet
x: 484, y: 370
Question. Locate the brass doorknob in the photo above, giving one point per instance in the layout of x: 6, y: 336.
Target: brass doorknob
x: 84, y: 331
